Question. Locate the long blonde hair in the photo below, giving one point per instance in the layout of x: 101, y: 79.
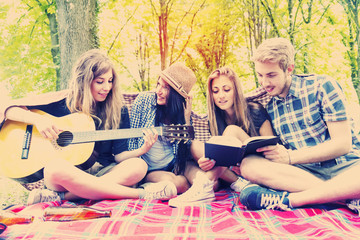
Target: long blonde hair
x: 240, y: 105
x: 89, y: 66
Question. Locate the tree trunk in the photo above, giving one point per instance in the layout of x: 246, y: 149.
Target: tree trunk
x: 78, y: 29
x: 163, y: 34
x: 55, y: 50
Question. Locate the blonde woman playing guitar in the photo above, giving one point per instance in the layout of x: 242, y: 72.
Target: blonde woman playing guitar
x: 94, y: 92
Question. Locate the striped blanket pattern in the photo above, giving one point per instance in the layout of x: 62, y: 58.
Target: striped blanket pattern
x: 221, y: 219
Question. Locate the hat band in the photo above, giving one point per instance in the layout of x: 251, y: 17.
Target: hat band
x: 178, y: 87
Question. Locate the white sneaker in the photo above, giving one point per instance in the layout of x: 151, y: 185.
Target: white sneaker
x: 43, y: 195
x: 201, y: 191
x: 354, y: 205
x: 239, y: 184
x: 163, y: 190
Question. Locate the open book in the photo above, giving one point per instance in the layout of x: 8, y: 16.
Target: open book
x: 227, y: 154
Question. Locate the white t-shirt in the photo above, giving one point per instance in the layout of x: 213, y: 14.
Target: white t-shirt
x: 159, y: 156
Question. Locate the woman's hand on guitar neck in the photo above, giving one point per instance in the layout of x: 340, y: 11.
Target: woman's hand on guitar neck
x: 150, y: 137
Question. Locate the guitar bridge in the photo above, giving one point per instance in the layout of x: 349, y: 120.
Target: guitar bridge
x: 26, y: 142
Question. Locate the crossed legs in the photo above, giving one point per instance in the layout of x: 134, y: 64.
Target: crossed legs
x: 62, y: 176
x: 304, y: 187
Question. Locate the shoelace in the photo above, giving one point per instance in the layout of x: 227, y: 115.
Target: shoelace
x: 49, y: 197
x: 355, y: 206
x: 273, y: 201
x: 194, y: 191
x: 157, y: 195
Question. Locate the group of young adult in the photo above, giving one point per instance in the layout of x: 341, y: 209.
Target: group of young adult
x: 316, y: 162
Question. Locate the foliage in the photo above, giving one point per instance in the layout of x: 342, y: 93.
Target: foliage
x: 26, y: 50
x: 12, y: 193
x: 204, y: 34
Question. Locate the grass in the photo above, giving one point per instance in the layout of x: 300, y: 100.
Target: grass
x: 11, y: 193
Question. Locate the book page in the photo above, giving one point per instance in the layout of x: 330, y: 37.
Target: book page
x: 256, y: 138
x: 225, y: 140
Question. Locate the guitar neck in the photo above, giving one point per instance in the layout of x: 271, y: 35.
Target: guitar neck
x: 102, y: 135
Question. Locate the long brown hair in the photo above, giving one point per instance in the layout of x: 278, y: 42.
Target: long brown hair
x: 242, y: 116
x: 89, y: 66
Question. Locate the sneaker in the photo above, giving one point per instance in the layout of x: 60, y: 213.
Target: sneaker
x: 43, y: 195
x: 354, y: 205
x: 201, y: 191
x: 239, y: 184
x: 163, y: 190
x: 255, y: 197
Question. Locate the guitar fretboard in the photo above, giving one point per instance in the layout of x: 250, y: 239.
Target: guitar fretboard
x: 102, y: 135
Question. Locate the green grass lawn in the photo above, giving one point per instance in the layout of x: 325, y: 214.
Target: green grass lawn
x: 11, y: 193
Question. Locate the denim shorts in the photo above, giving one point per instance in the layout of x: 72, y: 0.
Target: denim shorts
x: 99, y: 170
x: 328, y: 169
x: 169, y: 168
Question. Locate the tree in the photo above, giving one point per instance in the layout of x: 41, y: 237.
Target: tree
x: 162, y: 14
x: 27, y: 61
x: 255, y: 26
x: 49, y: 8
x: 78, y: 27
x: 217, y: 41
x: 352, y: 40
x: 143, y: 57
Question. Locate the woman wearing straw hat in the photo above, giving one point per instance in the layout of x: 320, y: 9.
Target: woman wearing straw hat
x: 169, y: 104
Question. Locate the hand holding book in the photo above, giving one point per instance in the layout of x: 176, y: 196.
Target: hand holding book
x: 231, y: 151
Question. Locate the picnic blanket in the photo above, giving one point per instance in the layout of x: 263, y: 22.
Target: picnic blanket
x: 221, y: 219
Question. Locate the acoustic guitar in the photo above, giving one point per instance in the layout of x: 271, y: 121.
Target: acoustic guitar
x: 24, y: 152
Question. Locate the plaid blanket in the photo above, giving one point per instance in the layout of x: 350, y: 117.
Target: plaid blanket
x: 222, y: 219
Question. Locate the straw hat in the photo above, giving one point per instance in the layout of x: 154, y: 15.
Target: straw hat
x: 180, y: 78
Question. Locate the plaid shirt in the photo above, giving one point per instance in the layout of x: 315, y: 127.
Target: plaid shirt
x: 300, y: 118
x: 143, y: 116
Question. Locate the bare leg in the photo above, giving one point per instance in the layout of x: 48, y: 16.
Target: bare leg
x: 343, y: 186
x: 180, y: 181
x: 285, y: 177
x: 190, y: 173
x: 197, y: 151
x: 235, y: 131
x: 127, y: 173
x: 60, y: 175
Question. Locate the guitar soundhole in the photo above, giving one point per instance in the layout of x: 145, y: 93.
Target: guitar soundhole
x: 65, y: 139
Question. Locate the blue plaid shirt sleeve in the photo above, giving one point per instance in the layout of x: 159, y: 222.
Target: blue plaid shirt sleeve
x: 332, y: 100
x: 142, y: 116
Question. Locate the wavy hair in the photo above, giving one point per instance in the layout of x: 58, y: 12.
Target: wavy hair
x: 89, y: 66
x: 275, y: 50
x: 217, y: 116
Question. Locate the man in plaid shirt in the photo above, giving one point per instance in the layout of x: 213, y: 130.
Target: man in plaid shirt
x: 318, y: 161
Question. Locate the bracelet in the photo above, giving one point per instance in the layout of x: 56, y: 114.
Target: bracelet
x: 289, y: 156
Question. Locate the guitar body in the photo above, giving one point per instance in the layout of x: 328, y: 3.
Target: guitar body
x: 26, y: 165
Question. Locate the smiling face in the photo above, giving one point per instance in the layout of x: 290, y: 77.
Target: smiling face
x: 101, y: 86
x: 223, y: 93
x: 274, y: 80
x: 162, y: 91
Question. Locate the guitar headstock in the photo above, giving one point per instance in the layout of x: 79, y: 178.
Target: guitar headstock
x: 178, y: 132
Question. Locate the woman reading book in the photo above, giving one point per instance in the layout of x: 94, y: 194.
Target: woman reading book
x: 231, y: 119
x: 95, y: 92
